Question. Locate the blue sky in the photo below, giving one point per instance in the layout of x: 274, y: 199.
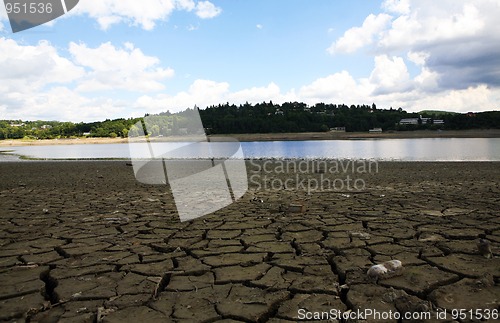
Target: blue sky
x: 124, y: 58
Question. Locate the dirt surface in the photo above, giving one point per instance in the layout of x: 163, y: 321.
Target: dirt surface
x: 85, y: 242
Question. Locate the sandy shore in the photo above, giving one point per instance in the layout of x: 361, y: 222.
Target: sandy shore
x: 491, y: 133
x: 85, y: 242
x: 73, y: 141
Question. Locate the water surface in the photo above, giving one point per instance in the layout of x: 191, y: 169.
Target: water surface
x: 422, y: 149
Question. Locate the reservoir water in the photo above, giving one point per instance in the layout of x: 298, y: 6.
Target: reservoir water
x: 423, y: 149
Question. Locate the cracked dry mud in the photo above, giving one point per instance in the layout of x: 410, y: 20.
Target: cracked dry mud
x: 85, y: 242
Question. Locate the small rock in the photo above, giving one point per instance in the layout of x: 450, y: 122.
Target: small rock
x: 360, y: 235
x: 102, y: 312
x: 387, y: 269
x: 297, y: 208
x: 76, y: 295
x: 483, y: 246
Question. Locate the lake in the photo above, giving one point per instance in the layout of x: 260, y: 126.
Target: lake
x: 423, y: 149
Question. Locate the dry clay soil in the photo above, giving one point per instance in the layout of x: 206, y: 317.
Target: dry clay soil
x: 85, y: 242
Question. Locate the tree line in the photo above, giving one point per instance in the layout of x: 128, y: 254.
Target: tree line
x: 265, y: 117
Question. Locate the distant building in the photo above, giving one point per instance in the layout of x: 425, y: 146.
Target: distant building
x: 409, y: 121
x: 416, y: 121
x: 17, y: 124
x: 375, y: 130
x: 86, y: 133
x: 337, y: 129
x: 46, y: 126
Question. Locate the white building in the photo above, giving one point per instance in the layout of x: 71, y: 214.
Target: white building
x: 409, y: 121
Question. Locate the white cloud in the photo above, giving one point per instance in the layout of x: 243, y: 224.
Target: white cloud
x: 33, y: 66
x: 477, y: 98
x: 390, y: 74
x: 397, y: 6
x: 206, y: 10
x: 38, y: 83
x: 454, y: 43
x: 338, y: 86
x: 271, y: 92
x: 459, y: 40
x: 358, y: 37
x: 3, y: 13
x: 187, y: 5
x: 203, y: 93
x: 259, y: 26
x: 144, y: 13
x: 390, y: 85
x: 458, y: 69
x: 426, y: 27
x: 112, y: 68
x: 424, y: 24
x: 418, y: 58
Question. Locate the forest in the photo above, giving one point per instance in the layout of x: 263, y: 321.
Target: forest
x: 262, y: 118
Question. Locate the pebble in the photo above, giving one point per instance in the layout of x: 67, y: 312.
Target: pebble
x: 387, y: 269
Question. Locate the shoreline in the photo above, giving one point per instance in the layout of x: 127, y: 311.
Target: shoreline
x: 490, y: 133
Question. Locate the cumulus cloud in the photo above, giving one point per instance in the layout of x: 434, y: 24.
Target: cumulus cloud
x: 358, y: 37
x: 330, y: 88
x: 33, y: 67
x: 37, y: 82
x: 141, y: 13
x: 390, y: 85
x: 256, y: 94
x: 200, y: 93
x: 430, y: 27
x: 111, y: 68
x: 187, y: 5
x: 476, y: 98
x: 428, y: 55
x: 203, y: 93
x: 459, y: 40
x: 397, y: 6
x: 455, y: 45
x: 3, y: 14
x: 390, y: 75
x: 207, y: 10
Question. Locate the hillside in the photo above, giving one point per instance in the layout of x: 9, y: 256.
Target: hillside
x: 261, y: 118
